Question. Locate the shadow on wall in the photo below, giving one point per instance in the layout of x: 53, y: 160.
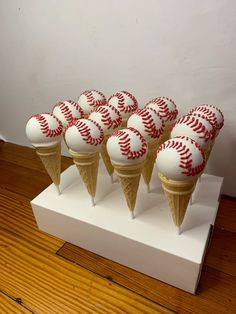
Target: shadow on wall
x: 222, y: 162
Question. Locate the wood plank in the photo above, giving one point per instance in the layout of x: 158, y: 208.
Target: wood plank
x: 215, y: 299
x: 9, y: 306
x: 20, y: 180
x: 16, y: 217
x: 221, y: 253
x: 26, y: 157
x: 49, y: 284
x: 226, y: 216
x: 22, y: 171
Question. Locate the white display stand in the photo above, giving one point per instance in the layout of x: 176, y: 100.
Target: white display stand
x: 149, y: 243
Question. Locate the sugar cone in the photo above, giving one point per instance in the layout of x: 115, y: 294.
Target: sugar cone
x: 51, y: 159
x: 208, y: 150
x: 64, y: 138
x: 129, y: 176
x: 105, y: 157
x: 178, y: 194
x: 150, y: 160
x: 87, y: 165
x: 123, y: 124
x: 165, y: 135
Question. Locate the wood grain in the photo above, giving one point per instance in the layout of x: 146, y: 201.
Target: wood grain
x: 221, y: 254
x: 23, y: 175
x: 226, y: 217
x: 210, y: 302
x: 9, y: 305
x: 16, y: 217
x: 31, y: 271
x: 49, y: 284
x: 26, y: 157
x: 77, y: 281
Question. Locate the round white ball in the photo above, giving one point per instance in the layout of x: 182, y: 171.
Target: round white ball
x: 148, y: 122
x: 84, y: 136
x: 127, y: 146
x: 44, y: 130
x: 180, y: 159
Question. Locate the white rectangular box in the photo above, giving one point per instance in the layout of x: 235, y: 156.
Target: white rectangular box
x: 149, y: 243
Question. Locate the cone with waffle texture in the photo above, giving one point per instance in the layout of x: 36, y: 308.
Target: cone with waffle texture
x: 179, y: 162
x: 178, y: 194
x: 84, y: 138
x: 87, y: 164
x: 105, y: 157
x: 127, y: 151
x: 150, y: 160
x: 51, y: 159
x: 129, y: 177
x: 45, y: 133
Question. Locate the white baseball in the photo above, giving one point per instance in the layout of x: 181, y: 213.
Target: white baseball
x: 148, y: 122
x: 213, y: 113
x: 127, y: 146
x: 165, y: 107
x: 124, y: 102
x: 90, y: 99
x: 108, y: 117
x: 180, y: 158
x: 44, y: 130
x: 84, y: 136
x: 66, y: 111
x: 196, y: 127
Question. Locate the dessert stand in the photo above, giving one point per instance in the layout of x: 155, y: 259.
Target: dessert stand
x: 149, y: 243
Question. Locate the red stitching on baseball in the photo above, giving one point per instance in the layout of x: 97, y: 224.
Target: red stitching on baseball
x: 148, y: 122
x: 205, y: 109
x: 45, y: 127
x: 202, y: 116
x: 85, y: 132
x: 195, y: 124
x: 106, y: 117
x: 125, y: 143
x: 92, y: 101
x: 163, y: 109
x: 121, y: 102
x: 65, y: 110
x: 185, y: 155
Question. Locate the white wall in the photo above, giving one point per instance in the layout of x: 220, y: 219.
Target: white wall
x: 55, y: 49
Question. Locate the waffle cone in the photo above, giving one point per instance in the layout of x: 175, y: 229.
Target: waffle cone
x: 123, y: 124
x: 165, y: 135
x: 208, y: 150
x: 150, y: 160
x: 178, y: 194
x: 51, y: 159
x: 87, y: 165
x: 129, y: 176
x: 105, y: 157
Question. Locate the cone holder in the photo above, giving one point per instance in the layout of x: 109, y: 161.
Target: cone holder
x: 154, y: 248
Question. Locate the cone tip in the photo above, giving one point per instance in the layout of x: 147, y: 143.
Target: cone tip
x: 178, y: 229
x: 58, y: 189
x: 93, y: 201
x: 112, y: 178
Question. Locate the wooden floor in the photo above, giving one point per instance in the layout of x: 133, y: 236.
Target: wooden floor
x: 43, y: 275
